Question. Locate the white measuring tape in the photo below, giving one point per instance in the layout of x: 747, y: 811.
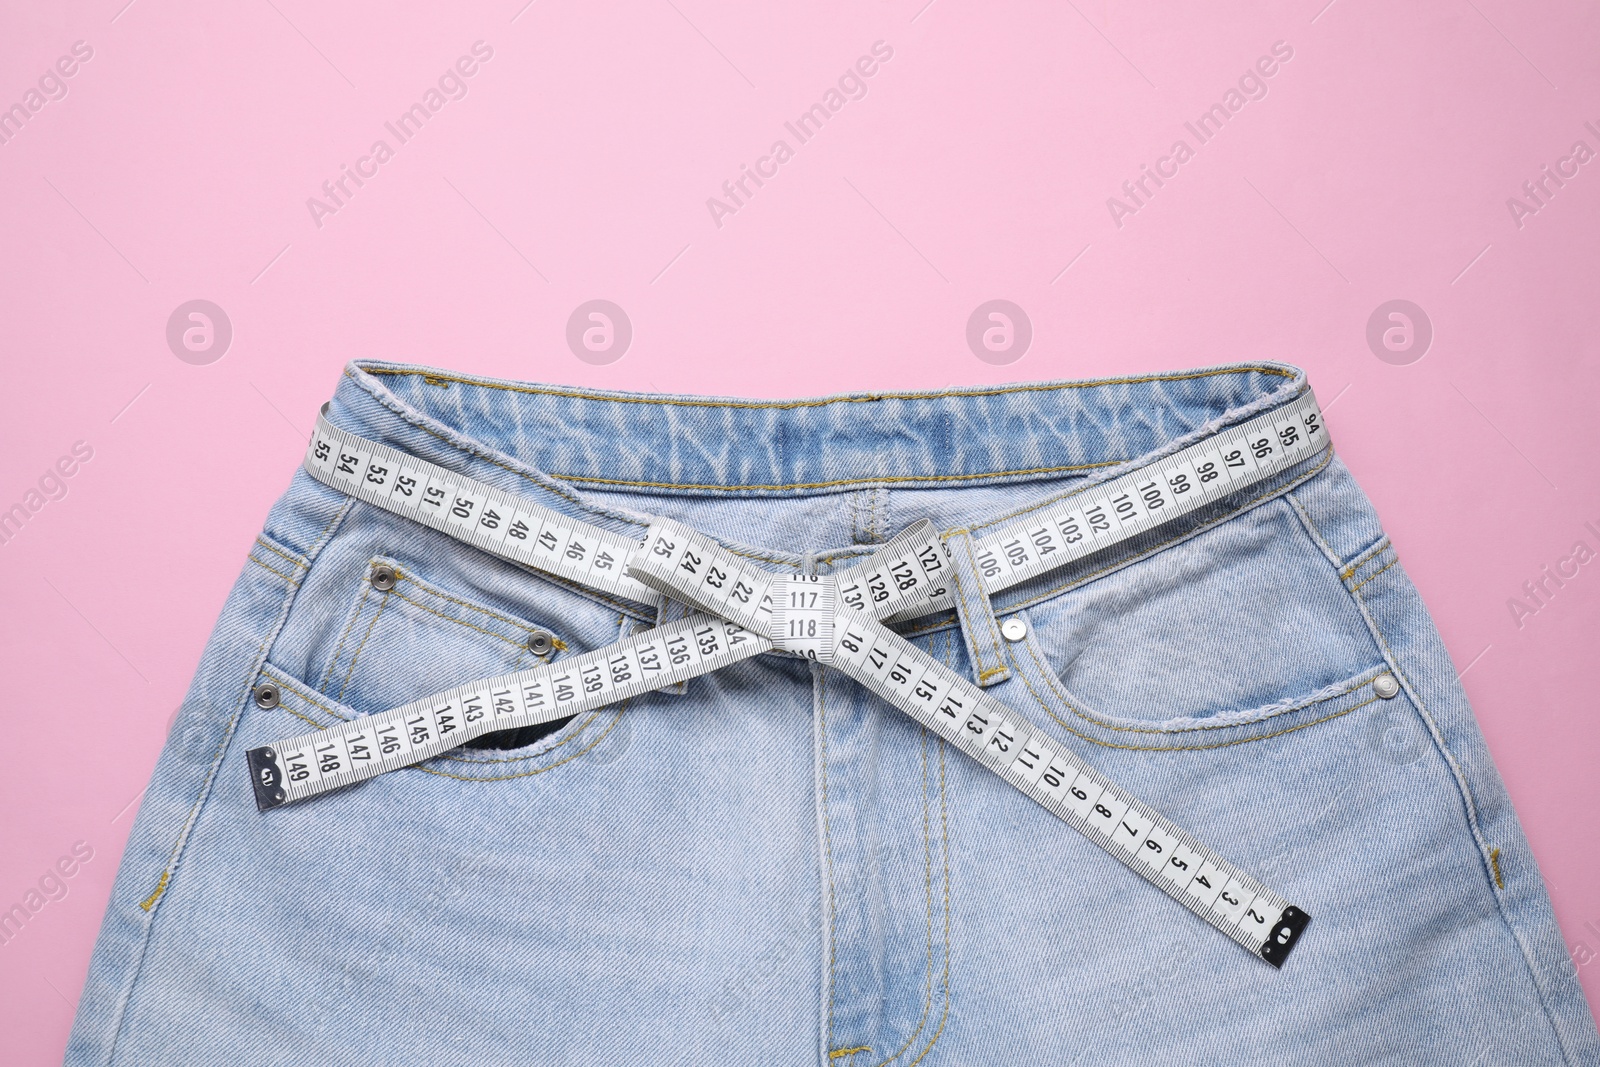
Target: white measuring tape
x: 694, y: 569
x: 833, y: 619
x: 302, y: 767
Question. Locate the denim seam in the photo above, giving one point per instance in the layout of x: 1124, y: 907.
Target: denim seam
x: 350, y: 672
x: 510, y: 620
x: 827, y: 841
x: 298, y: 690
x: 1357, y: 587
x: 273, y: 570
x: 1473, y: 825
x: 541, y: 480
x: 927, y: 864
x: 945, y: 819
x: 1350, y: 574
x: 1175, y: 376
x: 944, y: 822
x: 1362, y: 558
x: 1312, y: 531
x: 278, y: 552
x: 473, y: 449
x: 361, y: 606
x: 1052, y: 682
x: 876, y: 479
x: 451, y: 618
x: 119, y: 1015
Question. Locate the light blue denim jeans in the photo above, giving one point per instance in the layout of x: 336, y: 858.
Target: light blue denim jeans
x: 778, y: 868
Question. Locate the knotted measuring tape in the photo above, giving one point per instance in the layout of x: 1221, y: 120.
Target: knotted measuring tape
x: 835, y: 619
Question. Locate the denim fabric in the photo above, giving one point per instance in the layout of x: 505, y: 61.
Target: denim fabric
x: 778, y: 868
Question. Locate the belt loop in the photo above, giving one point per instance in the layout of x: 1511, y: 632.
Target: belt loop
x: 985, y: 650
x: 671, y: 611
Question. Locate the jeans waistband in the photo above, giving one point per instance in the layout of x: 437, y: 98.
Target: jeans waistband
x: 705, y: 446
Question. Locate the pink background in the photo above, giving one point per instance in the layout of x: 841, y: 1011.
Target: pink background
x: 578, y: 166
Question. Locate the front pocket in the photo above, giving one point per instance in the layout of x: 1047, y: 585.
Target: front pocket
x: 406, y: 638
x: 1037, y: 687
x: 1248, y: 614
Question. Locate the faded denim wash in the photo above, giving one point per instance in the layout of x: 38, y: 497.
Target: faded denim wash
x: 778, y: 868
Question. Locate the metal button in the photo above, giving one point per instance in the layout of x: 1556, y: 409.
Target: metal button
x: 540, y: 642
x: 266, y: 695
x: 1386, y: 686
x: 1013, y: 629
x: 383, y: 577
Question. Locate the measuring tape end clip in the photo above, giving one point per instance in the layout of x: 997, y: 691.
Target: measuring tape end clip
x: 267, y: 778
x: 1285, y: 936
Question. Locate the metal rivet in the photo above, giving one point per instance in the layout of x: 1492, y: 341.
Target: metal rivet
x: 1013, y: 629
x: 266, y: 695
x: 540, y: 642
x: 383, y: 577
x: 1386, y: 686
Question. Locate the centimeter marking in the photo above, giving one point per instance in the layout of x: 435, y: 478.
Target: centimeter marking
x: 469, y: 510
x: 1126, y: 506
x: 1075, y: 526
x: 800, y: 614
x: 314, y: 763
x: 301, y: 767
x: 694, y: 569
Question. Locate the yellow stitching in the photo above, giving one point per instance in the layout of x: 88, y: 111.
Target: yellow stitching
x: 984, y: 676
x: 1048, y: 710
x: 927, y: 865
x: 1455, y: 770
x: 327, y: 531
x: 260, y: 655
x: 298, y: 564
x: 366, y: 591
x: 371, y: 626
x: 460, y: 622
x: 827, y: 841
x: 875, y: 480
x: 296, y: 688
x: 1494, y: 858
x: 1356, y: 564
x: 1083, y: 579
x: 434, y: 590
x: 927, y: 847
x: 300, y: 715
x: 1052, y: 681
x: 824, y: 401
x: 273, y: 570
x: 161, y: 887
x: 780, y: 405
x: 944, y: 815
x: 1375, y: 573
x: 434, y: 379
x: 838, y: 1052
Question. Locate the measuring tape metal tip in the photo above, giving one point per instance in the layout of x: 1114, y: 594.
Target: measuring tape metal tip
x: 266, y: 777
x: 1285, y: 936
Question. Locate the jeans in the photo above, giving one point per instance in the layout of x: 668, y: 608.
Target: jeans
x: 859, y: 894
